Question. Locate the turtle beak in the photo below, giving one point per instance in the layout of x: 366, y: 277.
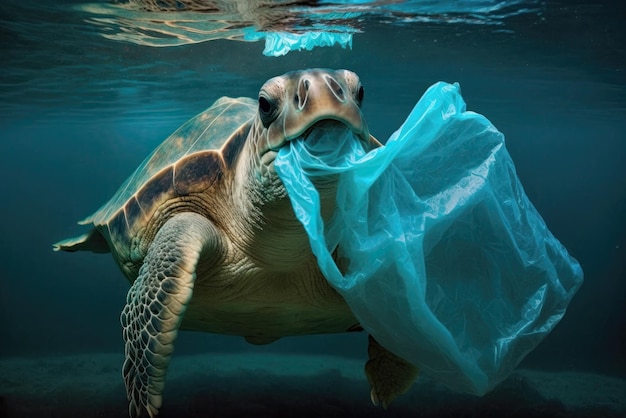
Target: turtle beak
x: 336, y: 129
x: 365, y: 137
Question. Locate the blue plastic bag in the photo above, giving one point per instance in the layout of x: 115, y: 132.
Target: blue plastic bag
x: 448, y: 264
x: 280, y: 43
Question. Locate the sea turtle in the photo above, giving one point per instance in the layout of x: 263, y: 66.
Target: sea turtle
x: 206, y: 234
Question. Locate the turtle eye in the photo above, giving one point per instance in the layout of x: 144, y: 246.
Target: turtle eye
x: 359, y: 94
x: 264, y: 105
x: 353, y: 84
x: 267, y: 110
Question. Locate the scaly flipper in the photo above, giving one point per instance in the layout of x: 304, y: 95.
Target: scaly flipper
x: 156, y: 304
x: 388, y: 375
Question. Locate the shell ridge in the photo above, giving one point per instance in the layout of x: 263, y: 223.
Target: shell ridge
x: 207, y: 128
x: 236, y: 109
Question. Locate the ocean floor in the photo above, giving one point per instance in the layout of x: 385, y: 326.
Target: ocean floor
x: 245, y: 385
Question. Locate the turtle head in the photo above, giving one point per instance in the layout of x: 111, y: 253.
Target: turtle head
x: 295, y: 106
x: 292, y: 105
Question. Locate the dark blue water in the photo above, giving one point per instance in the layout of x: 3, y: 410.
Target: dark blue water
x: 78, y: 113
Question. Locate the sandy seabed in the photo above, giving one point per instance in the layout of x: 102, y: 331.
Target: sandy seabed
x: 263, y: 385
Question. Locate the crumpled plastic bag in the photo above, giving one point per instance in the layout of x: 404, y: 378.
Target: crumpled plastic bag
x: 447, y: 262
x: 280, y: 43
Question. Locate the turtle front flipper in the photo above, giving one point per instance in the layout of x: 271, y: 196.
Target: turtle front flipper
x: 388, y: 375
x: 156, y: 303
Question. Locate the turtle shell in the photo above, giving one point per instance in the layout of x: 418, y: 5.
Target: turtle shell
x: 188, y: 161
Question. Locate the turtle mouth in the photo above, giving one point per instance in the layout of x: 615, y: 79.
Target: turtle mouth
x: 323, y: 135
x: 329, y: 128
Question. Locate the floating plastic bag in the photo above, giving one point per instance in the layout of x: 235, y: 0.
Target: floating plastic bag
x: 448, y: 264
x: 281, y: 43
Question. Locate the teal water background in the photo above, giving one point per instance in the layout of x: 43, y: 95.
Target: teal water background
x: 78, y: 112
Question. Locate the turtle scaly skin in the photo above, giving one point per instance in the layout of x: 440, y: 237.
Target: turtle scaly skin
x: 206, y: 235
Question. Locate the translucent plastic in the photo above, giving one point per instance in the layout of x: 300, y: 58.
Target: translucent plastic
x: 444, y: 259
x: 280, y: 43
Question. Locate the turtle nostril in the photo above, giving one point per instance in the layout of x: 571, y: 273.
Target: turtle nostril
x: 335, y: 87
x: 303, y: 93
